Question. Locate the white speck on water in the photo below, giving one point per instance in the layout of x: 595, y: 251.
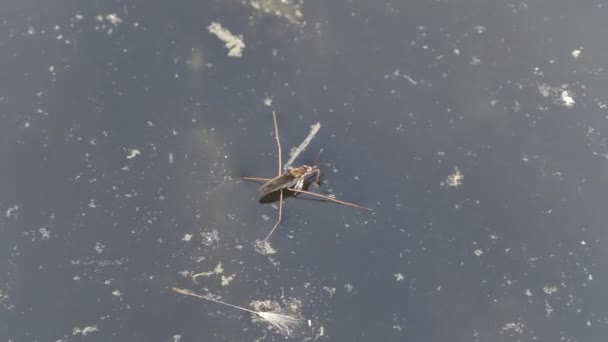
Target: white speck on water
x: 558, y: 95
x: 348, y: 287
x: 264, y: 247
x: 399, y: 276
x: 268, y: 102
x: 544, y: 89
x: 133, y: 153
x: 219, y: 268
x: 12, y: 211
x: 210, y: 237
x: 516, y: 106
x: 117, y: 293
x: 44, y: 233
x: 567, y: 99
x: 409, y: 79
x: 550, y: 289
x: 513, y: 327
x: 548, y: 309
x: 455, y: 179
x: 288, y: 10
x: 478, y: 252
x: 330, y: 290
x: 528, y: 293
x: 99, y: 247
x: 234, y: 44
x: 84, y: 331
x: 226, y: 280
x: 187, y: 237
x: 170, y: 158
x: 583, y: 242
x: 576, y: 53
x: 114, y: 19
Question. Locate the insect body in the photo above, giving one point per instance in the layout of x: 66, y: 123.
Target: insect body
x: 293, y: 178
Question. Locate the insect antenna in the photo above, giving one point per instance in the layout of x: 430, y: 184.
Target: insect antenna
x: 317, y: 157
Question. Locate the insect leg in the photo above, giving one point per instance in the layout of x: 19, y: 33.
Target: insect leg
x: 318, y: 176
x: 329, y: 198
x: 280, y: 214
x: 276, y: 135
x: 255, y: 179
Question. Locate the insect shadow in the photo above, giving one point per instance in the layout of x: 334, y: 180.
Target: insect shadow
x: 275, y: 196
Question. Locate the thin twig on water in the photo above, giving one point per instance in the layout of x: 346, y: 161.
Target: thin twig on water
x: 296, y: 152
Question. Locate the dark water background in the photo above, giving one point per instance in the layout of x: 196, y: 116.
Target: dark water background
x: 512, y: 94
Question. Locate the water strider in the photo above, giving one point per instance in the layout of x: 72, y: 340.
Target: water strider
x: 292, y: 180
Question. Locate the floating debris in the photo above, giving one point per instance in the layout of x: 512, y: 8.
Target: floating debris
x: 455, y: 179
x: 284, y: 323
x: 293, y: 154
x: 234, y: 44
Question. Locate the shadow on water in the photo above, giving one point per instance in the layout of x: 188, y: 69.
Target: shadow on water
x: 274, y: 196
